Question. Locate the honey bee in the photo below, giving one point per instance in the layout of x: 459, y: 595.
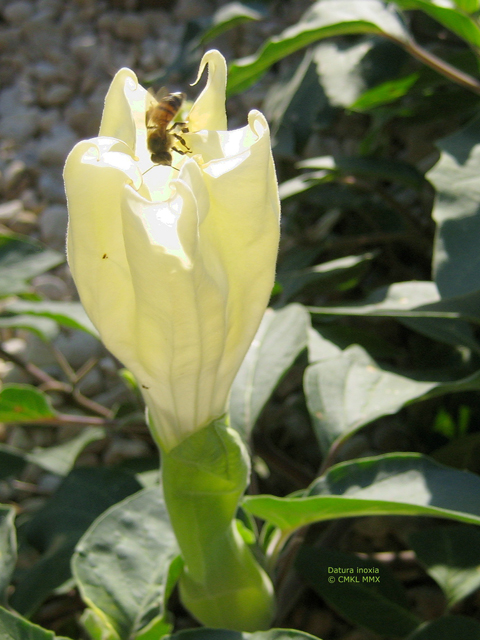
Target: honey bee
x: 160, y: 136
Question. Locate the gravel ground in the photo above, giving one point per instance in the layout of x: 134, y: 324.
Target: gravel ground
x: 56, y: 63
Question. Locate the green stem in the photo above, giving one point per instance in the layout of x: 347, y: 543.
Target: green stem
x: 441, y: 66
x: 204, y: 478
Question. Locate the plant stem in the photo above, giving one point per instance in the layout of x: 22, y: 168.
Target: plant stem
x: 442, y: 67
x: 204, y: 478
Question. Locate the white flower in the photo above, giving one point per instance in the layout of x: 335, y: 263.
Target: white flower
x: 175, y: 267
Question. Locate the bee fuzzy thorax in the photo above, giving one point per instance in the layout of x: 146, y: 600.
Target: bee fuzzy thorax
x: 161, y: 135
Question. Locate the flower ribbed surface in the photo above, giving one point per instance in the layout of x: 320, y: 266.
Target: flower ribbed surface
x: 175, y: 265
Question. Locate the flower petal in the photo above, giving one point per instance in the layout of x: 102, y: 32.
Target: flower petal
x: 95, y: 179
x: 208, y: 111
x: 241, y: 234
x: 117, y: 119
x: 179, y: 316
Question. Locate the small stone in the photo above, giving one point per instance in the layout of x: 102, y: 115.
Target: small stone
x: 14, y: 346
x: 108, y: 366
x: 84, y: 47
x: 21, y: 124
x: 168, y: 51
x: 8, y: 210
x: 50, y: 8
x: 56, y: 95
x: 187, y: 10
x: 44, y: 71
x: 81, y: 119
x: 53, y: 226
x: 54, y: 148
x: 8, y: 39
x: 17, y: 12
x: 92, y: 383
x: 17, y: 178
x: 30, y: 201
x: 48, y: 120
x: 106, y: 21
x: 24, y: 222
x: 131, y: 27
x: 51, y: 186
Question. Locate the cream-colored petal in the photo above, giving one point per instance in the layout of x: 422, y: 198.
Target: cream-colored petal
x: 208, y: 111
x: 241, y: 233
x: 179, y: 318
x: 95, y: 243
x: 117, y: 119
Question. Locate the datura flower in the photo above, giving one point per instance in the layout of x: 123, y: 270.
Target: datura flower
x: 175, y: 264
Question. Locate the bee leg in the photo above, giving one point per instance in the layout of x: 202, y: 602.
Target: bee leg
x: 182, y: 153
x: 179, y: 137
x: 183, y: 126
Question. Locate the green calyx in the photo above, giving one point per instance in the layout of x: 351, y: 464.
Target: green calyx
x: 204, y: 478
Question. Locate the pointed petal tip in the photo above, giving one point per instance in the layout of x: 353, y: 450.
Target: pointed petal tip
x: 215, y: 59
x: 208, y: 111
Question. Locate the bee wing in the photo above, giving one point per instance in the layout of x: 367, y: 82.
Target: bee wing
x: 161, y: 93
x: 152, y: 98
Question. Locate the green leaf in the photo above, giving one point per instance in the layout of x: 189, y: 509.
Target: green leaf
x: 61, y: 458
x: 97, y: 626
x: 418, y: 306
x: 337, y: 275
x: 448, y: 627
x: 328, y: 169
x: 293, y: 106
x: 461, y: 453
x: 281, y: 337
x: 451, y: 556
x: 339, y: 69
x: 366, y: 593
x: 67, y: 314
x: 459, y: 23
x: 8, y: 549
x: 227, y: 17
x: 157, y: 628
x: 393, y: 484
x: 20, y: 260
x: 13, y: 627
x: 44, y: 328
x: 122, y: 562
x: 12, y: 461
x: 371, y: 168
x: 56, y: 528
x: 469, y: 6
x: 23, y: 403
x: 223, y: 634
x: 456, y: 177
x: 384, y: 93
x: 324, y: 19
x: 350, y: 389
